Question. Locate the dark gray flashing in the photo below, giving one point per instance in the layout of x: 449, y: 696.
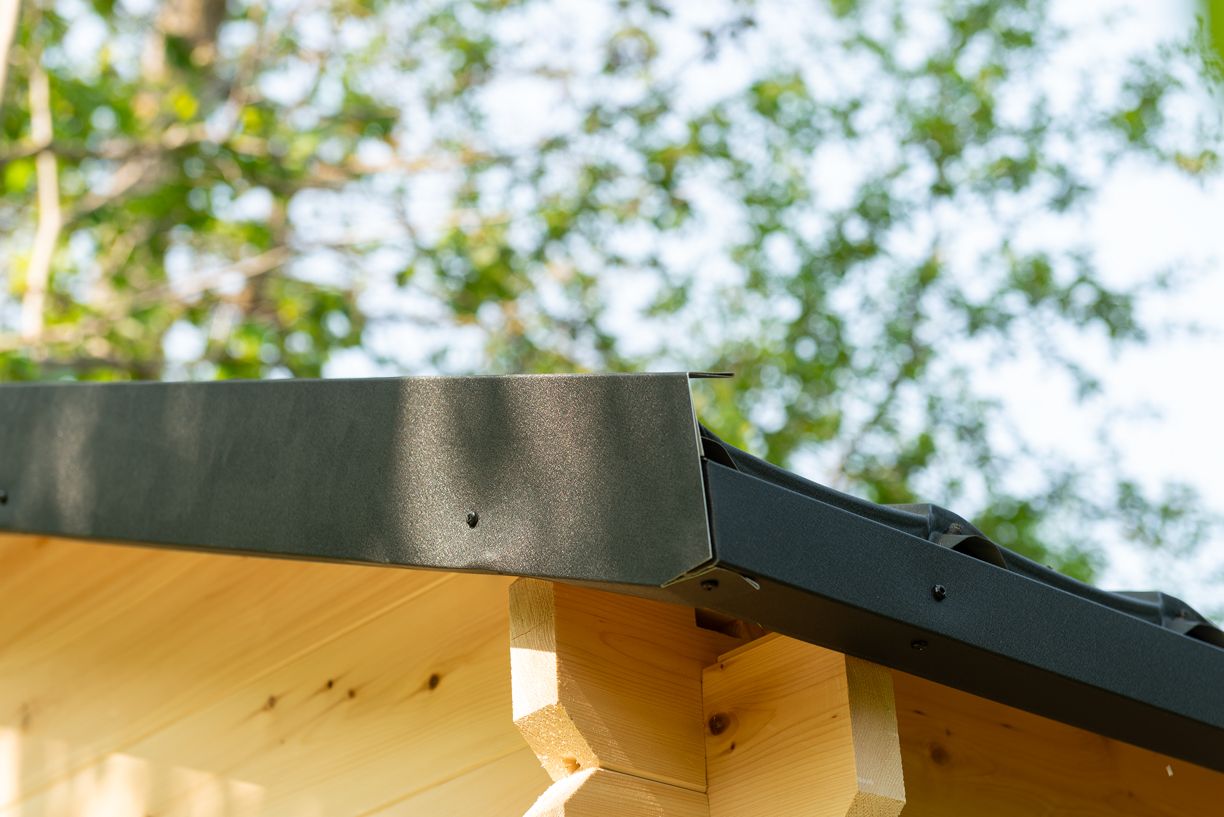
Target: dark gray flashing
x: 569, y: 477
x: 601, y: 480
x: 942, y: 527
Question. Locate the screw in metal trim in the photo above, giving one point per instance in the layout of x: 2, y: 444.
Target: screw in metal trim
x: 709, y: 584
x: 939, y: 592
x: 918, y: 644
x: 473, y: 519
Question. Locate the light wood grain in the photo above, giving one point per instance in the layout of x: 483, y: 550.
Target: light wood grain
x: 500, y: 788
x: 609, y: 681
x: 602, y: 793
x: 89, y: 629
x: 139, y: 681
x: 797, y: 730
x: 966, y: 755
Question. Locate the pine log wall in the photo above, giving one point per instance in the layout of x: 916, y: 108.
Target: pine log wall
x: 156, y: 683
x: 138, y: 682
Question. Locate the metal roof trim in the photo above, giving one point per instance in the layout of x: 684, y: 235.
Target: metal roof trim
x: 580, y: 477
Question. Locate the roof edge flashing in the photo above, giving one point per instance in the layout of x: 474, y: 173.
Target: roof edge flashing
x: 577, y: 477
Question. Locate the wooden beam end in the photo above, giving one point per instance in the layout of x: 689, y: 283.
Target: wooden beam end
x: 794, y: 729
x: 556, y: 741
x: 871, y: 804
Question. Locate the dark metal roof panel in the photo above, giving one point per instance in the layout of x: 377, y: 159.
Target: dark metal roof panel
x: 942, y: 527
x: 574, y: 477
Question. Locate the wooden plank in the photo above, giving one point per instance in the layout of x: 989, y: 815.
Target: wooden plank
x: 965, y: 755
x: 797, y: 730
x: 599, y: 793
x: 52, y: 583
x: 246, y: 686
x: 608, y: 681
x: 500, y: 788
x: 101, y: 645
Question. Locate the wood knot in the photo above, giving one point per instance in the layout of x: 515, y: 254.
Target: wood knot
x: 719, y: 722
x: 939, y: 755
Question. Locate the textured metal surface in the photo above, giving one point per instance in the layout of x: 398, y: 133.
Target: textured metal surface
x: 939, y: 525
x: 579, y: 477
x: 832, y: 577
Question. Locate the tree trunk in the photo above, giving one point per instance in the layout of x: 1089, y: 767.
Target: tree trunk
x: 195, y: 22
x: 9, y: 13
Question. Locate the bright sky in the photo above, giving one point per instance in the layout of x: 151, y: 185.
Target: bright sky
x: 1146, y: 221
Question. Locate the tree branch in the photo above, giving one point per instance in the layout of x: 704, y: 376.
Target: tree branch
x: 50, y: 215
x: 129, y: 174
x: 248, y: 268
x: 75, y: 334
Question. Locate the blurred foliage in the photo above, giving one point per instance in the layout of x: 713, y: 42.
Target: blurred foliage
x: 1214, y: 19
x: 854, y: 205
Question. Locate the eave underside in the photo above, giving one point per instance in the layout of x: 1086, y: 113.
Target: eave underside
x: 140, y: 681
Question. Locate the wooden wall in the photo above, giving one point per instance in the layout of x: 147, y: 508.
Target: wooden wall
x: 147, y: 683
x: 964, y: 755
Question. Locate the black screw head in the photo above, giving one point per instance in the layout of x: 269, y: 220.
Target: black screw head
x: 918, y: 644
x: 709, y: 585
x: 473, y: 519
x: 718, y: 723
x: 3, y: 497
x: 939, y: 592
